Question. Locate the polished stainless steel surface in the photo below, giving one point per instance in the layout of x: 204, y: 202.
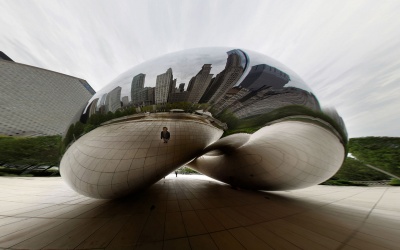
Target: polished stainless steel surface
x: 275, y: 134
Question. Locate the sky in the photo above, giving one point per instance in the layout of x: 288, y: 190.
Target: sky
x: 347, y: 51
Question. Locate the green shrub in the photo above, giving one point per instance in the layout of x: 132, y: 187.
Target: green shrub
x: 41, y: 150
x: 394, y: 182
x: 187, y: 170
x: 341, y: 183
x: 11, y: 172
x: 380, y: 152
x: 354, y: 170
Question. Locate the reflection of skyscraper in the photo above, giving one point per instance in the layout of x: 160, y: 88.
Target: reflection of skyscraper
x: 101, y: 107
x: 93, y: 107
x: 228, y: 77
x: 150, y: 96
x: 125, y: 101
x: 181, y: 87
x: 212, y: 87
x: 113, y: 100
x: 264, y: 75
x: 179, y: 95
x: 230, y: 97
x: 173, y: 87
x: 146, y: 96
x: 199, y: 84
x: 136, y: 87
x: 267, y: 100
x: 164, y: 85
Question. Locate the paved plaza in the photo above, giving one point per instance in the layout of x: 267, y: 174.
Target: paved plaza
x: 196, y: 212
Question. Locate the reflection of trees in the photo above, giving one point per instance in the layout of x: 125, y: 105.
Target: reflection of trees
x: 95, y: 120
x: 229, y: 118
x: 254, y: 123
x: 186, y: 106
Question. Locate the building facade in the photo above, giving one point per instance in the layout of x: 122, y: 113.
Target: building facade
x: 146, y: 96
x: 137, y: 86
x: 93, y: 107
x: 125, y: 101
x: 229, y: 77
x: 164, y: 85
x: 199, y: 84
x: 263, y: 75
x: 36, y: 101
x: 113, y: 100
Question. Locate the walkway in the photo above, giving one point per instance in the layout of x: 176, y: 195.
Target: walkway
x: 192, y: 212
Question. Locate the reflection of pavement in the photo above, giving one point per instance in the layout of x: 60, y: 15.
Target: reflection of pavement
x: 124, y: 157
x: 169, y: 116
x: 191, y: 212
x: 120, y: 158
x: 283, y: 156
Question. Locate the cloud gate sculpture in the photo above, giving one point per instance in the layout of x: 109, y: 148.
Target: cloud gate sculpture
x: 235, y: 115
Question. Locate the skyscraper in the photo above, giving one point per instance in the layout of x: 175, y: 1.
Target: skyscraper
x: 263, y: 75
x: 164, y: 85
x: 146, y: 96
x: 93, y: 107
x: 212, y: 87
x: 102, y: 104
x: 229, y: 76
x: 136, y: 87
x: 199, y: 84
x: 181, y: 87
x: 125, y: 101
x: 113, y: 100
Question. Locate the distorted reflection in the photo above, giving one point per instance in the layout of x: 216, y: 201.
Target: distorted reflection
x: 232, y: 90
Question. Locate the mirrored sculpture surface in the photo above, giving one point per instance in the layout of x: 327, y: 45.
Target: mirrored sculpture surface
x: 235, y: 115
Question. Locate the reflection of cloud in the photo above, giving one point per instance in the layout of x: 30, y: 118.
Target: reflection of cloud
x: 346, y: 51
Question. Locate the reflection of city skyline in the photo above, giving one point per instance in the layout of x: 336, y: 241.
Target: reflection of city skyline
x: 263, y: 85
x: 166, y: 90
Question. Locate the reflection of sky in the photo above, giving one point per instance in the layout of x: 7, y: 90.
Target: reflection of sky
x: 186, y: 64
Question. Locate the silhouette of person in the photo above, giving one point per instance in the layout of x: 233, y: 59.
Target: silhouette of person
x: 165, y: 135
x: 176, y: 173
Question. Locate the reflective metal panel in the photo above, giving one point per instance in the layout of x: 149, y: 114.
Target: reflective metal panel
x: 204, y: 94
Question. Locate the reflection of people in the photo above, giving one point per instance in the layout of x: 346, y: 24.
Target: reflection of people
x: 176, y: 173
x: 165, y: 135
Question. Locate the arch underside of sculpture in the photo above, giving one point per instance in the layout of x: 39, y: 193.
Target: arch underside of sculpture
x: 123, y: 158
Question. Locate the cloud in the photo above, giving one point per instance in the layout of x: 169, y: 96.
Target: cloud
x: 347, y: 51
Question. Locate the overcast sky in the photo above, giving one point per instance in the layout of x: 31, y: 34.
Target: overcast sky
x: 347, y: 51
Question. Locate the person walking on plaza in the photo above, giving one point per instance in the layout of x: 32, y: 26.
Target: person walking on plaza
x: 165, y: 135
x: 176, y: 173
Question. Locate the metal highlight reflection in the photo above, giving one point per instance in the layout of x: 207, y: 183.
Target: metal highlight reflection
x: 275, y: 134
